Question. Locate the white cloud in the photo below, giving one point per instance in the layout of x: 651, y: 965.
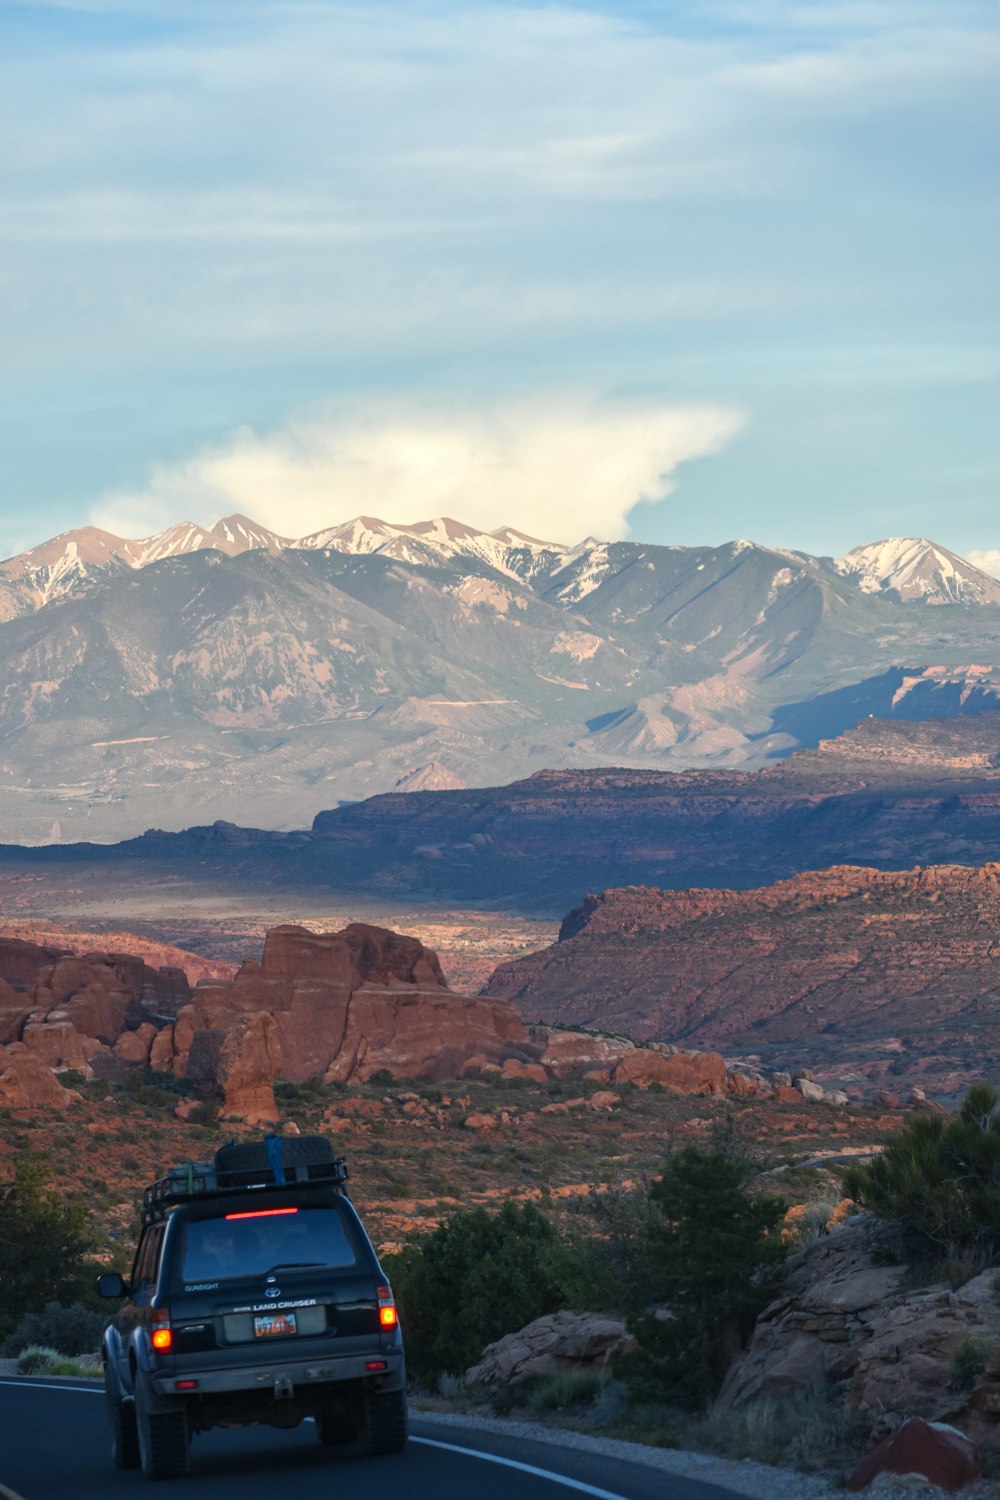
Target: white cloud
x: 988, y: 560
x: 560, y: 468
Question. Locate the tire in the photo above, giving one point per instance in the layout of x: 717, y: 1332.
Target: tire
x: 124, y: 1434
x: 164, y: 1440
x: 386, y: 1424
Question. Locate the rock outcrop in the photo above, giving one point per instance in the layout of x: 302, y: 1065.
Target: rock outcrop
x: 350, y: 1003
x: 556, y: 1343
x: 248, y: 1064
x: 889, y: 1346
x: 341, y: 1006
x: 883, y: 974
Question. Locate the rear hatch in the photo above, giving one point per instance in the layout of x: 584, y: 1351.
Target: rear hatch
x: 270, y: 1280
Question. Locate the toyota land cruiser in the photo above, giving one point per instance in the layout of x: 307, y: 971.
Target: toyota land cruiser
x: 255, y: 1297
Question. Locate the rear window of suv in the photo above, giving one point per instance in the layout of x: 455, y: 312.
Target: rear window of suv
x: 256, y: 1241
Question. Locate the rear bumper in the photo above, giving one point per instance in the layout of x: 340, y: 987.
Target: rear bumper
x: 283, y: 1378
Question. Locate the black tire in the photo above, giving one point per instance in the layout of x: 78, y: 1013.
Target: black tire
x: 164, y: 1440
x: 386, y: 1423
x: 124, y: 1435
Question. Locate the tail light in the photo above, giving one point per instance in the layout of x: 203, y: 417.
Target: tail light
x: 387, y: 1316
x: 162, y: 1336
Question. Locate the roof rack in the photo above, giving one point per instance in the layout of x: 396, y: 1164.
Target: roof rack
x: 251, y: 1167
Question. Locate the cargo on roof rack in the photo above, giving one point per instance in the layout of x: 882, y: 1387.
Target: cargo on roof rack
x: 246, y: 1167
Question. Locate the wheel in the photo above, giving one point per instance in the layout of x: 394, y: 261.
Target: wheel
x: 164, y: 1439
x: 385, y: 1422
x: 121, y: 1420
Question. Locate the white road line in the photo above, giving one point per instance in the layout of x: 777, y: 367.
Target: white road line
x: 513, y: 1463
x: 88, y: 1390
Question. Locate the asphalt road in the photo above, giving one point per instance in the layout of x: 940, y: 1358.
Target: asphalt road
x: 54, y: 1446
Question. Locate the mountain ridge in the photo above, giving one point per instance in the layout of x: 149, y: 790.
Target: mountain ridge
x: 172, y: 690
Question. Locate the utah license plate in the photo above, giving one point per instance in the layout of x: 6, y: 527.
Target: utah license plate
x: 274, y: 1325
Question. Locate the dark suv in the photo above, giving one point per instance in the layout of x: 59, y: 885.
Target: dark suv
x: 255, y: 1296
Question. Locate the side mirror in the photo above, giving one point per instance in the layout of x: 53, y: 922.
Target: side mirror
x: 111, y: 1285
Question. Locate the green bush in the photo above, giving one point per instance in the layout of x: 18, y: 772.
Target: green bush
x: 556, y: 1392
x: 37, y: 1360
x: 939, y: 1180
x: 475, y: 1278
x: 44, y: 1243
x: 711, y: 1251
x: 68, y: 1330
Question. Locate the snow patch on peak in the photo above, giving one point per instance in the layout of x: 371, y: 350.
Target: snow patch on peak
x: 915, y: 568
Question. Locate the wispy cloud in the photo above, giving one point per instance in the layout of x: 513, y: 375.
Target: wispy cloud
x: 568, y: 466
x: 989, y: 561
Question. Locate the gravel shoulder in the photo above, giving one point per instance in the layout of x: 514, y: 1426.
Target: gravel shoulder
x: 744, y: 1477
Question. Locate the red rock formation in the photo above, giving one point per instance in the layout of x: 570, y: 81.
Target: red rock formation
x: 347, y: 1004
x: 899, y: 964
x: 249, y: 1062
x: 26, y: 1081
x: 700, y: 1073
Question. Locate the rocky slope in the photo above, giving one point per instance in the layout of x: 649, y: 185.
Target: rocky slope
x: 156, y: 681
x: 874, y: 974
x: 885, y: 1343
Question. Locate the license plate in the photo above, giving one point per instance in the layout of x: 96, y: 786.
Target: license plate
x: 274, y: 1325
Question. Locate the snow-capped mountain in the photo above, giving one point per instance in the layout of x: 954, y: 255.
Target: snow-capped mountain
x: 916, y: 569
x: 205, y: 666
x: 506, y: 550
x: 74, y: 558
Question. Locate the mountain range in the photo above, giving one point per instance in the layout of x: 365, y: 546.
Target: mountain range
x: 205, y: 672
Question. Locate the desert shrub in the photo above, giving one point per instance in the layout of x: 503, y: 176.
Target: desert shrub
x: 475, y: 1278
x: 612, y: 1234
x: 556, y: 1392
x: 153, y: 1088
x: 939, y: 1179
x: 311, y: 1092
x: 383, y: 1079
x: 37, y: 1360
x: 803, y: 1430
x: 43, y: 1246
x: 68, y: 1330
x: 967, y: 1364
x: 712, y: 1251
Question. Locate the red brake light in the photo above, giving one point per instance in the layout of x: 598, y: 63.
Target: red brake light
x: 387, y: 1316
x: 262, y: 1213
x: 163, y: 1339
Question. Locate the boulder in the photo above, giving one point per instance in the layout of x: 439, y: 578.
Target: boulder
x: 681, y: 1072
x: 59, y: 1045
x: 132, y: 1047
x: 814, y: 1093
x: 562, y: 1341
x: 513, y: 1067
x: 938, y: 1452
x: 26, y: 1082
x: 479, y: 1121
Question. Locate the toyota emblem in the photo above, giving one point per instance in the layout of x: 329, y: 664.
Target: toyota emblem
x: 273, y: 1291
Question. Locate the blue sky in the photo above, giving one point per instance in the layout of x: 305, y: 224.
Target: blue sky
x: 683, y: 272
